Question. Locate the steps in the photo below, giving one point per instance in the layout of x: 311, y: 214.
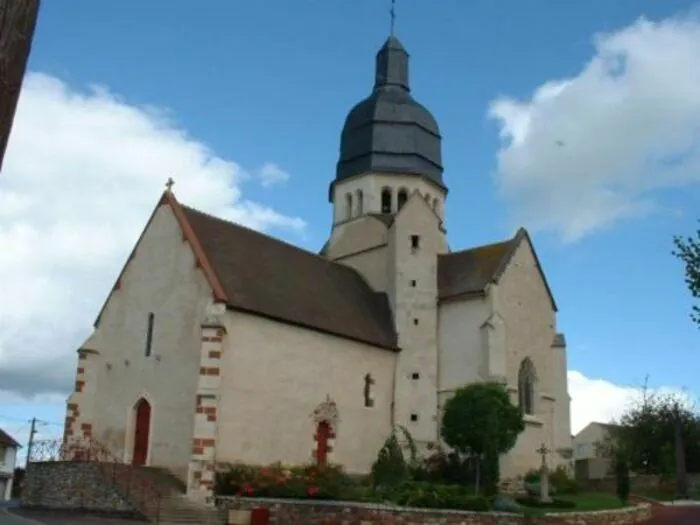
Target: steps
x: 159, y: 495
x: 179, y: 510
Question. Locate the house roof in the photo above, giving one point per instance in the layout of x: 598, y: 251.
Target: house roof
x: 7, y: 440
x: 255, y: 273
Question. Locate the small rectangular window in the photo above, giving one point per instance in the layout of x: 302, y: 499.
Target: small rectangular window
x: 414, y: 417
x: 149, y: 334
x: 415, y: 242
x: 415, y: 375
x: 413, y: 283
x: 415, y: 322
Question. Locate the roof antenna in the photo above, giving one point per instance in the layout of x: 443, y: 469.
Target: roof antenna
x: 392, y: 12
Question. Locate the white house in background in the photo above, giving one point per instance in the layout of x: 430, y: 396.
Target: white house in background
x: 590, y: 463
x: 8, y: 461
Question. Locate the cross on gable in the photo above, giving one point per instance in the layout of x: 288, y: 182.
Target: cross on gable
x: 169, y: 184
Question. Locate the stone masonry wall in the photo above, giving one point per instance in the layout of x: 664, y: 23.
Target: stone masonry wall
x: 71, y: 486
x: 283, y: 512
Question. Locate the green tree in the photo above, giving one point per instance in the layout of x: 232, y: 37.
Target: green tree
x: 480, y: 421
x: 646, y: 434
x: 687, y: 249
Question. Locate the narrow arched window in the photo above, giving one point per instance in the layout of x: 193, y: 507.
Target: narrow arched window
x: 360, y: 204
x: 386, y: 200
x: 348, y: 206
x: 526, y: 386
x: 402, y: 197
x: 435, y: 204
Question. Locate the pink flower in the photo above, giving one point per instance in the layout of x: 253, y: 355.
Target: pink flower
x: 312, y: 491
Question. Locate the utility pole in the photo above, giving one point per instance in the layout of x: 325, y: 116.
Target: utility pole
x: 30, y: 443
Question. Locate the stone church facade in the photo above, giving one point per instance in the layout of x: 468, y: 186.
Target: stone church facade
x: 219, y: 344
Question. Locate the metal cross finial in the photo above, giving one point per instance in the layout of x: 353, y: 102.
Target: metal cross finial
x: 543, y: 450
x: 392, y: 12
x: 169, y: 184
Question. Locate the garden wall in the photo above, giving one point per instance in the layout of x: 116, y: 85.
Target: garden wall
x: 642, y: 483
x: 283, y: 512
x: 71, y: 485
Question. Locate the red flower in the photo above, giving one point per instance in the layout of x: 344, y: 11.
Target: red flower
x: 247, y: 489
x: 312, y: 491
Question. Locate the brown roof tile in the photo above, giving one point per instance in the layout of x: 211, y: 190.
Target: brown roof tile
x: 7, y: 439
x: 469, y: 271
x: 266, y: 276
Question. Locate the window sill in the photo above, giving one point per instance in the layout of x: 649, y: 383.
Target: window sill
x: 529, y: 419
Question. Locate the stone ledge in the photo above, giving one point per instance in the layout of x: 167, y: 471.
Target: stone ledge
x: 320, y: 512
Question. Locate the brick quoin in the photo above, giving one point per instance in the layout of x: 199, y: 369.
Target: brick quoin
x: 81, y: 370
x: 79, y: 386
x: 214, y: 354
x: 213, y: 339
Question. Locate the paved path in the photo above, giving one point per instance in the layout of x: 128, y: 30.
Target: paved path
x: 32, y: 517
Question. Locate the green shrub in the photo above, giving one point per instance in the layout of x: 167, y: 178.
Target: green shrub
x: 445, y: 468
x: 390, y: 468
x: 436, y: 496
x: 562, y: 481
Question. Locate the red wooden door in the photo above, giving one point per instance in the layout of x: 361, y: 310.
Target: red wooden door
x: 323, y: 433
x: 142, y: 430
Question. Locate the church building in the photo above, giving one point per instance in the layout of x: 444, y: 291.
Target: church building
x: 220, y: 344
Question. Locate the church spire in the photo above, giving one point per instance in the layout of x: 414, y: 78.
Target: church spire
x: 392, y: 60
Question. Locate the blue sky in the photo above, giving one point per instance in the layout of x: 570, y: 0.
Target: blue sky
x: 262, y: 82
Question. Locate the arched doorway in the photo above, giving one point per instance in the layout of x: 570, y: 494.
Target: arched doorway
x: 142, y: 432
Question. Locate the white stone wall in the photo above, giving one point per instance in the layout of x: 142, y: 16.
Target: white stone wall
x: 522, y: 301
x: 362, y: 245
x: 413, y: 296
x: 162, y: 278
x: 273, y: 376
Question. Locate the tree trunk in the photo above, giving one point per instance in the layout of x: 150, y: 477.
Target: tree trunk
x: 478, y: 475
x: 17, y: 23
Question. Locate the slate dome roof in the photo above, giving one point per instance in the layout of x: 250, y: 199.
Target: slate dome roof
x: 389, y: 131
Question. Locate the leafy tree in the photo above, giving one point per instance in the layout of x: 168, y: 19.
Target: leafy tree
x: 480, y: 421
x: 645, y: 434
x: 688, y: 251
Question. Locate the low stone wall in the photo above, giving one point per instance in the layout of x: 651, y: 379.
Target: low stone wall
x: 284, y: 512
x: 72, y: 485
x: 641, y: 483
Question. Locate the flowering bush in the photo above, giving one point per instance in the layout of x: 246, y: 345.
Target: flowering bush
x: 280, y: 481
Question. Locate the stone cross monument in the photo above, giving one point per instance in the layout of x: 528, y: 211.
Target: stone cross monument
x: 544, y: 474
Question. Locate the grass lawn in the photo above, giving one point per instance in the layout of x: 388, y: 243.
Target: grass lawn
x: 585, y: 502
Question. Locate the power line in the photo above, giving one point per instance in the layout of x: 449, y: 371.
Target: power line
x: 22, y: 420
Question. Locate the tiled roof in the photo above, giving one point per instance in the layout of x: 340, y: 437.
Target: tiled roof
x: 266, y: 276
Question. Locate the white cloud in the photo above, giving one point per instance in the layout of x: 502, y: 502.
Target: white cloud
x: 271, y: 175
x: 584, y: 152
x: 602, y: 401
x: 83, y: 172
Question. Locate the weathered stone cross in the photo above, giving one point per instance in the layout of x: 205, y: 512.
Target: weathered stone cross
x: 544, y: 474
